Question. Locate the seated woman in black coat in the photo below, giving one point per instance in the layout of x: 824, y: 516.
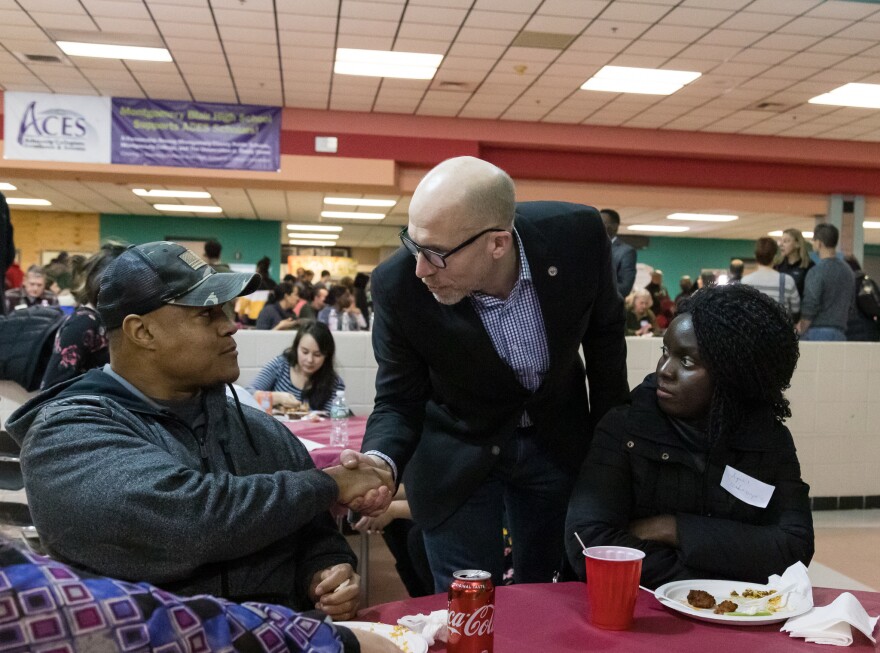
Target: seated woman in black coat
x: 699, y: 472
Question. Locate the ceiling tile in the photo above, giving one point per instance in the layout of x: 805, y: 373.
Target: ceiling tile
x: 674, y: 33
x: 50, y: 21
x: 434, y: 15
x: 696, y: 17
x: 482, y: 35
x: 556, y: 24
x: 496, y: 19
x: 427, y: 31
x: 733, y: 37
x: 814, y: 26
x: 127, y: 25
x: 182, y: 14
x: 361, y: 26
x: 785, y: 7
x: 114, y: 9
x: 575, y: 8
x: 371, y: 10
x: 748, y: 20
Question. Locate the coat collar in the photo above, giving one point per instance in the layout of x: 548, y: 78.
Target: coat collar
x: 759, y: 431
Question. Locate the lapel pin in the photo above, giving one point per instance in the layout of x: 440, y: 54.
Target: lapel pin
x: 552, y: 271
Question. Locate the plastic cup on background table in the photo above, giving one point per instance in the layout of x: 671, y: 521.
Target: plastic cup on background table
x: 613, y: 574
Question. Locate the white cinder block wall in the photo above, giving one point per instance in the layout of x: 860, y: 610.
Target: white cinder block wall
x: 835, y: 412
x: 834, y: 400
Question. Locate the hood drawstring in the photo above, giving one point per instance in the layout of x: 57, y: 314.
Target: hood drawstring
x: 247, y: 431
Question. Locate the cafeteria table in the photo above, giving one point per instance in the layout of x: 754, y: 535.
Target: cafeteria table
x: 552, y: 617
x: 319, y: 432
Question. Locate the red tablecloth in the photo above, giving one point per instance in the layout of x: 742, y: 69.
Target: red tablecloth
x: 552, y: 617
x: 320, y: 432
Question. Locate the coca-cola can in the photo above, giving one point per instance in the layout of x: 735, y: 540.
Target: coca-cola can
x: 471, y: 618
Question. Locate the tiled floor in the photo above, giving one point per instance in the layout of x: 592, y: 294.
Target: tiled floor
x: 847, y: 549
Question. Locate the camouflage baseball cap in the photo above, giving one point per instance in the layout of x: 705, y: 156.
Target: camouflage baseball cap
x: 147, y: 277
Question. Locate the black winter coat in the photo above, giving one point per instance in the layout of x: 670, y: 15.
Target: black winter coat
x: 638, y: 468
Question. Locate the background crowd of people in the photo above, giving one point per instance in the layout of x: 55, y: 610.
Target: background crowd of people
x: 812, y: 284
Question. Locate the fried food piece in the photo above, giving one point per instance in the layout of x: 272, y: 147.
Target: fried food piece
x: 726, y: 606
x: 749, y: 593
x: 701, y: 599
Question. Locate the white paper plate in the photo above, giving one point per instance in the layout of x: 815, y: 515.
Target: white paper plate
x: 407, y: 640
x: 674, y: 596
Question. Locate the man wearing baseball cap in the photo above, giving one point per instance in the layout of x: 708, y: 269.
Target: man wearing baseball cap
x: 145, y: 471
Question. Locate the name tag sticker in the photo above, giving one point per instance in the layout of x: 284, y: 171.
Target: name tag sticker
x: 745, y: 488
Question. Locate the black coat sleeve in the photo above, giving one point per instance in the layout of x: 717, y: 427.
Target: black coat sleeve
x: 601, y: 505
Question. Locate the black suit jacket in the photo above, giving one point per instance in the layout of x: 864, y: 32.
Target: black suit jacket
x: 446, y: 402
x: 623, y: 259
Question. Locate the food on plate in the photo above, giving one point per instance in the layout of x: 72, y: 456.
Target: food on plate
x: 752, y: 602
x: 397, y: 634
x: 701, y: 599
x: 749, y: 593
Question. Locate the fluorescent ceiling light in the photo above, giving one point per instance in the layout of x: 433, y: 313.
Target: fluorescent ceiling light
x: 384, y: 63
x: 353, y: 201
x: 657, y: 227
x: 188, y: 208
x: 806, y: 234
x: 156, y: 192
x: 353, y: 215
x: 313, y: 227
x: 108, y: 51
x: 865, y: 96
x: 868, y: 224
x: 703, y: 217
x: 5, y: 186
x: 313, y: 236
x: 648, y: 81
x: 27, y: 201
x: 313, y: 243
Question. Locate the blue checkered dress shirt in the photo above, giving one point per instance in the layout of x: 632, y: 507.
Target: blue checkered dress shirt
x: 516, y: 327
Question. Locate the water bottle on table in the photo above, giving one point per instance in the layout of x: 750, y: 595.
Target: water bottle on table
x: 339, y: 420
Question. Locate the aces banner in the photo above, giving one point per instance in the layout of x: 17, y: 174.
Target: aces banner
x: 196, y: 134
x: 87, y: 129
x: 48, y: 127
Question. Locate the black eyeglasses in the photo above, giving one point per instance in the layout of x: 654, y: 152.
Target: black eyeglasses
x: 438, y: 259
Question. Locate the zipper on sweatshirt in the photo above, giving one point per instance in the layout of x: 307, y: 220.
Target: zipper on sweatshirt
x: 203, y: 452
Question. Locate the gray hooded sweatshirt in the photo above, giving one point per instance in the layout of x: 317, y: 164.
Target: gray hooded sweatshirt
x: 122, y: 487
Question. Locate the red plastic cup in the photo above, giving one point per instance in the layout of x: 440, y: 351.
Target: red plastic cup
x: 613, y: 574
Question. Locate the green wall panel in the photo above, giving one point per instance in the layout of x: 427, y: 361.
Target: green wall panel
x: 244, y: 241
x: 679, y: 256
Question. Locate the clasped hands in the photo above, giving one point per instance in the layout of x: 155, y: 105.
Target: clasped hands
x: 365, y: 482
x: 336, y: 592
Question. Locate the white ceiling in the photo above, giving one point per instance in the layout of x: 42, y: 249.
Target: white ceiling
x: 280, y: 52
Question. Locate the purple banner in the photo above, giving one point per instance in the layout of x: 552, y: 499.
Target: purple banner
x: 196, y: 134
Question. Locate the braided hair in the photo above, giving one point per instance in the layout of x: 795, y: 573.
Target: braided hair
x: 748, y: 344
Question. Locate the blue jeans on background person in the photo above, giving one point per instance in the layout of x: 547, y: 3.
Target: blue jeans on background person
x: 529, y: 492
x: 824, y: 334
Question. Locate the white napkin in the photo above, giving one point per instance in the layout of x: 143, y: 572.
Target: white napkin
x: 430, y: 626
x: 830, y: 624
x: 796, y: 582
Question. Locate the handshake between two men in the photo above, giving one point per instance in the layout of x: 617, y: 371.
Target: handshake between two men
x: 365, y: 483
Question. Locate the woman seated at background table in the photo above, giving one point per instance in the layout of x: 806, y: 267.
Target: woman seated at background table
x: 640, y: 320
x: 279, y: 313
x: 81, y: 342
x: 304, y: 373
x: 679, y: 473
